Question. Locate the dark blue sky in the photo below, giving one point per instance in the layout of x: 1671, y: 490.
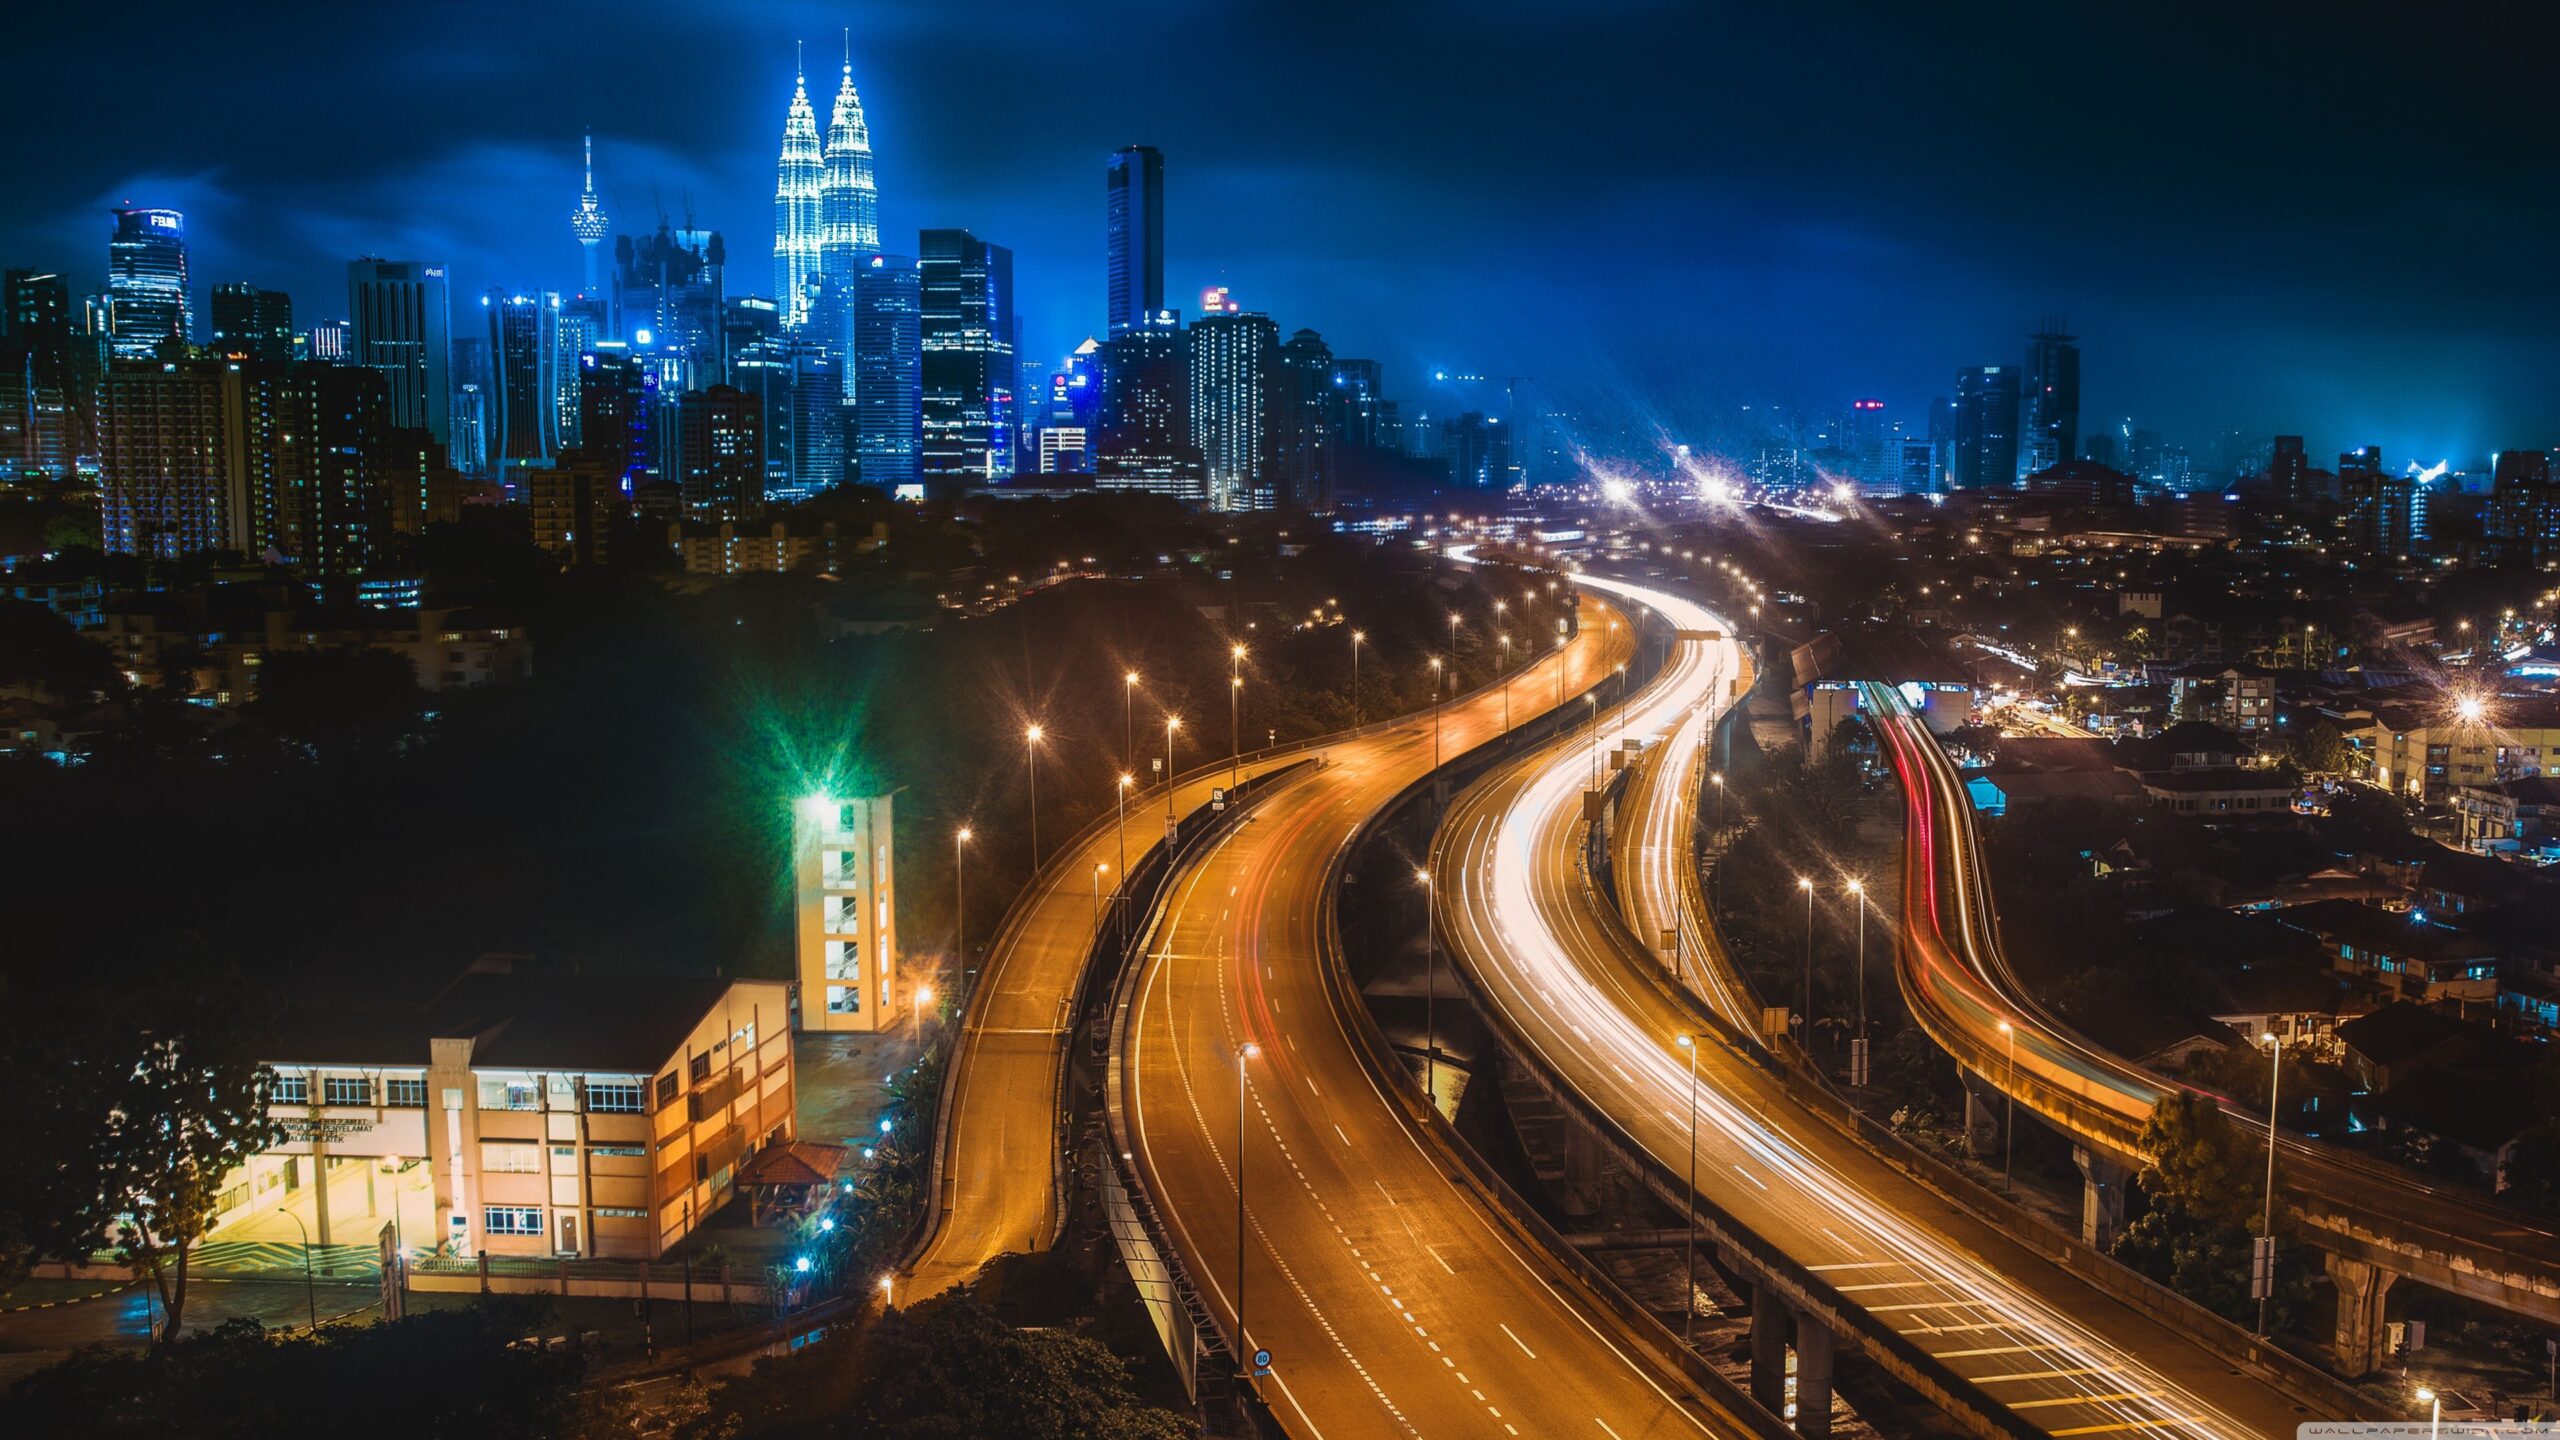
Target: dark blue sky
x: 2337, y: 220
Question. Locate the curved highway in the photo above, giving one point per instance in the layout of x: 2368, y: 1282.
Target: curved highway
x: 1392, y: 1301
x: 1520, y: 914
x: 1963, y: 990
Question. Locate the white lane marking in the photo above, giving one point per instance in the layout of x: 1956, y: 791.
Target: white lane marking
x: 1346, y: 1140
x: 1516, y: 1340
x: 1604, y: 1425
x: 1747, y: 1175
x: 1853, y: 1265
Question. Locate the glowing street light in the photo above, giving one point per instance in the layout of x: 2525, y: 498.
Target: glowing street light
x: 1689, y: 1242
x: 1358, y: 638
x: 1171, y: 724
x: 1129, y: 719
x: 1806, y: 885
x: 1235, y: 698
x: 1435, y: 711
x: 1031, y: 755
x: 960, y: 904
x: 1430, y: 990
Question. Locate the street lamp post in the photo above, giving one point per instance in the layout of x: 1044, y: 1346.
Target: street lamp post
x: 2435, y: 1416
x: 1858, y: 889
x: 310, y: 1293
x: 1121, y: 828
x: 1100, y: 869
x: 1436, y: 672
x: 2265, y: 1261
x: 2009, y: 1127
x: 1506, y: 687
x: 1357, y: 638
x: 1430, y: 992
x: 1717, y: 779
x: 1559, y: 667
x: 1689, y: 1241
x: 960, y: 911
x: 1244, y: 1347
x: 1591, y: 717
x: 1031, y: 755
x: 1453, y: 637
x: 1129, y: 719
x: 1235, y: 698
x: 1806, y: 886
x: 1171, y: 724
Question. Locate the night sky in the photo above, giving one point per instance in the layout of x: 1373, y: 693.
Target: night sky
x: 2337, y: 220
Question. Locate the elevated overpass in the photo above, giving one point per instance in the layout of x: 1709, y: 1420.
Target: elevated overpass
x: 2374, y: 1222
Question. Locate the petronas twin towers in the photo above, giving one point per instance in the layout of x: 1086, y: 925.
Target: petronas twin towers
x: 826, y: 207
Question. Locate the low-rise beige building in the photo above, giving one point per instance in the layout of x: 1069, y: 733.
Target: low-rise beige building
x: 520, y: 1114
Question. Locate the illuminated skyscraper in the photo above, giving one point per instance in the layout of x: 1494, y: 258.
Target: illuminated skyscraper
x: 588, y: 222
x: 147, y: 280
x: 1986, y: 428
x: 400, y: 326
x: 887, y: 386
x: 796, y: 206
x: 1134, y: 204
x: 1143, y: 426
x: 2049, y: 429
x: 252, y: 324
x: 524, y: 354
x: 848, y: 199
x: 966, y: 335
x: 1237, y: 405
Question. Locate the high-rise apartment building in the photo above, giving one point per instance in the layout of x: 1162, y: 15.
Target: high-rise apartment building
x: 1237, y: 404
x: 2379, y: 509
x: 965, y: 334
x: 1986, y: 428
x: 1133, y: 189
x: 147, y: 280
x: 617, y: 395
x: 400, y: 324
x: 720, y: 453
x: 2288, y: 472
x: 886, y: 370
x: 251, y: 324
x: 2049, y: 427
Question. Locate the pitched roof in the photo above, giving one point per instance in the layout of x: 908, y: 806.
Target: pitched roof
x: 2401, y: 1029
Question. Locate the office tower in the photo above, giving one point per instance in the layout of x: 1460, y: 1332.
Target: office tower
x: 2049, y: 429
x: 1142, y: 426
x: 251, y: 324
x: 1986, y: 428
x: 580, y: 324
x: 2287, y: 472
x: 1133, y: 204
x: 1862, y: 441
x: 331, y: 342
x: 617, y: 394
x: 1478, y: 448
x: 38, y: 393
x: 848, y: 198
x: 669, y: 292
x: 720, y: 450
x: 1236, y: 406
x: 147, y: 280
x: 886, y: 436
x: 1359, y: 389
x: 1917, y: 468
x: 399, y: 325
x: 1308, y: 457
x: 524, y: 396
x: 589, y: 223
x: 1061, y: 422
x: 796, y: 205
x: 965, y: 335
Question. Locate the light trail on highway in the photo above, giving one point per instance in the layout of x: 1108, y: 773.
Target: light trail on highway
x: 1517, y: 905
x: 1393, y: 1300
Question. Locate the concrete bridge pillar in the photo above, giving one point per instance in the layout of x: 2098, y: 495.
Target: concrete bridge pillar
x: 1814, y: 1348
x: 1586, y: 1163
x: 2102, y: 1183
x: 1985, y: 1109
x: 1769, y: 1325
x: 2362, y: 1287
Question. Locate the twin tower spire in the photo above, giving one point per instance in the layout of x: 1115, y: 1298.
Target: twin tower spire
x: 826, y: 206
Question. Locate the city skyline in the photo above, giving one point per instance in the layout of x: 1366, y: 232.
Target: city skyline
x: 2293, y: 297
